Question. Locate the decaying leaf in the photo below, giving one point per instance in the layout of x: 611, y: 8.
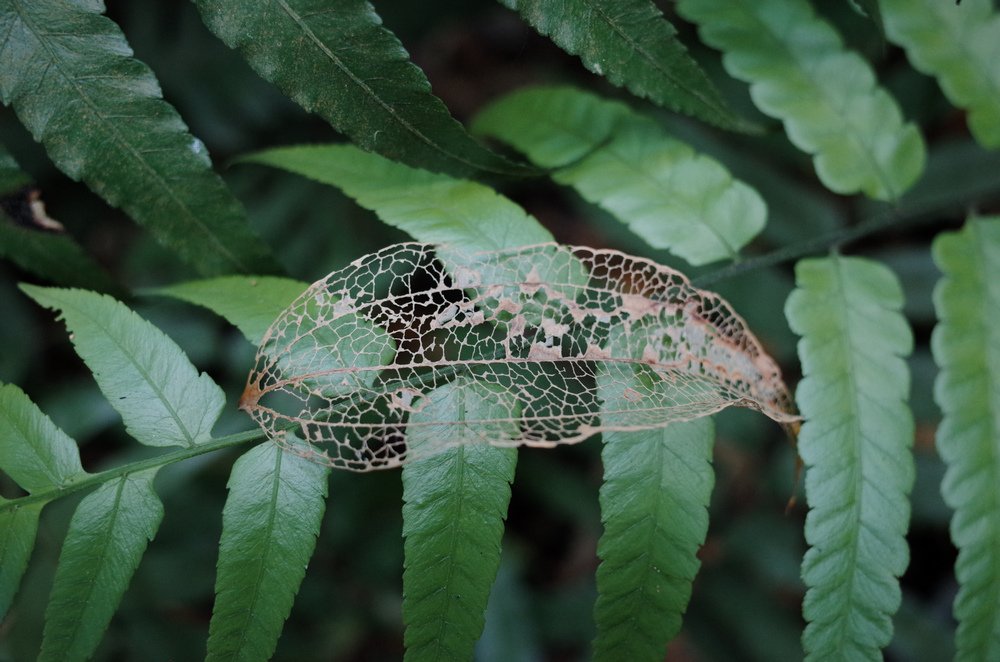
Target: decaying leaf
x: 504, y: 348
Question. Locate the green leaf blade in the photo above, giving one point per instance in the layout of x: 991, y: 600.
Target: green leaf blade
x: 630, y: 43
x: 454, y: 506
x: 269, y: 528
x: 68, y: 73
x: 33, y: 451
x: 18, y: 527
x: 146, y: 377
x: 430, y: 207
x: 855, y: 443
x: 107, y: 536
x: 250, y: 303
x: 345, y: 66
x: 654, y: 506
x: 956, y: 43
x: 828, y: 98
x: 666, y: 193
x: 966, y: 346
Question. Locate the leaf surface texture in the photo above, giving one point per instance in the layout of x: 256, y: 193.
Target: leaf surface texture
x: 630, y: 43
x: 959, y: 44
x: 145, y: 376
x: 106, y: 539
x: 654, y: 506
x: 856, y: 445
x: 828, y: 98
x: 69, y: 74
x: 340, y: 62
x: 662, y: 189
x: 269, y: 528
x: 966, y: 346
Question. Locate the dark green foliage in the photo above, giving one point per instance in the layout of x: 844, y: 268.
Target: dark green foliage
x: 68, y: 72
x: 340, y: 63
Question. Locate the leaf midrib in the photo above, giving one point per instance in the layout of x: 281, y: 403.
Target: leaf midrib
x: 124, y: 145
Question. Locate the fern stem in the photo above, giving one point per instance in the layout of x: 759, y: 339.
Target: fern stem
x: 92, y: 480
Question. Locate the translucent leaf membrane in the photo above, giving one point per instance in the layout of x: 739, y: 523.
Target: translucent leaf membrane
x: 359, y: 358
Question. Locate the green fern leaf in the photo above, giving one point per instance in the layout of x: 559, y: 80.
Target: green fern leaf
x: 670, y: 196
x: 432, y: 208
x: 18, y: 527
x: 250, y: 303
x: 630, y: 43
x: 341, y: 63
x: 960, y: 45
x: 68, y: 72
x: 145, y: 376
x: 654, y: 505
x: 269, y: 528
x: 454, y: 506
x: 966, y: 345
x: 828, y: 97
x: 106, y: 539
x: 855, y: 443
x: 35, y: 453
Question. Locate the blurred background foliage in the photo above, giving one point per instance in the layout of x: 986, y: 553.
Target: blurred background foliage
x: 747, y: 598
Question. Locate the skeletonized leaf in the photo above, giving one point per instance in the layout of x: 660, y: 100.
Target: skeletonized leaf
x: 107, y: 537
x: 669, y: 195
x: 827, y: 97
x: 18, y: 526
x: 454, y: 506
x: 430, y: 207
x: 855, y: 443
x: 959, y: 43
x: 654, y: 505
x: 341, y: 63
x: 966, y: 345
x: 269, y: 528
x: 630, y: 43
x: 250, y: 303
x: 70, y: 76
x: 145, y: 376
x: 494, y: 318
x: 33, y: 451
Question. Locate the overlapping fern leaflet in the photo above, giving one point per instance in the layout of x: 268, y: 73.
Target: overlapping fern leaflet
x: 668, y: 194
x: 959, y: 43
x: 827, y: 96
x: 654, y: 506
x: 68, y: 73
x: 341, y: 63
x: 454, y: 506
x: 430, y: 207
x: 966, y: 346
x: 38, y: 457
x: 855, y: 443
x: 630, y: 43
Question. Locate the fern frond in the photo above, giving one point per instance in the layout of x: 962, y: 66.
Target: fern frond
x: 430, y: 207
x: 630, y: 43
x: 107, y: 537
x: 454, y: 506
x: 668, y: 194
x: 654, y: 506
x: 70, y: 76
x: 959, y: 43
x: 966, y: 346
x: 855, y: 443
x: 343, y: 64
x: 145, y: 376
x: 269, y: 528
x: 827, y: 96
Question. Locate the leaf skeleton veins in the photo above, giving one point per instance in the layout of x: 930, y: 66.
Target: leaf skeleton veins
x: 562, y: 342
